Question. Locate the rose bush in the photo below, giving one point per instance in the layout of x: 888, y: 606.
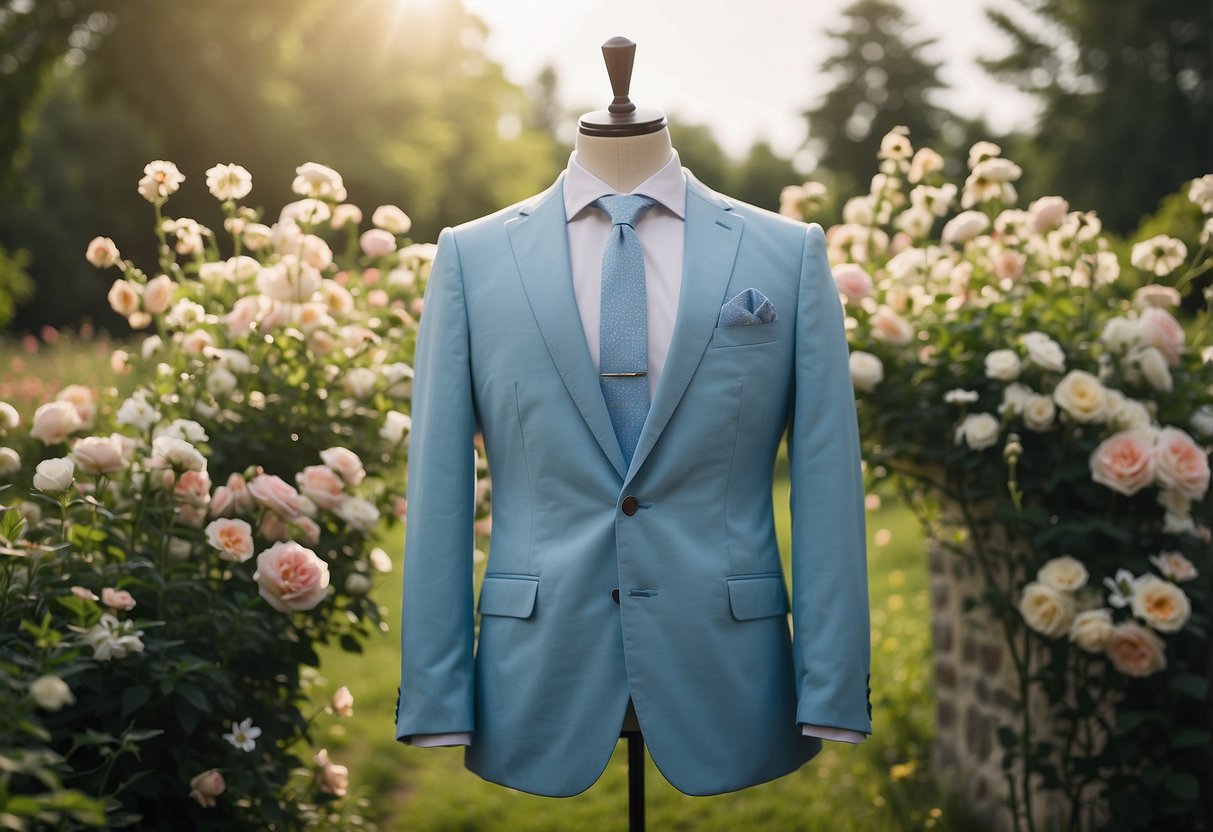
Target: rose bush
x: 171, y: 560
x: 1036, y: 376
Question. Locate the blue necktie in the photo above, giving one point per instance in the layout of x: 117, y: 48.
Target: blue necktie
x: 623, y: 330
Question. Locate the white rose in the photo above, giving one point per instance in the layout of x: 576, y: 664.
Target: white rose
x: 1082, y: 396
x: 9, y: 417
x: 964, y: 226
x: 55, y: 476
x: 1120, y: 334
x: 10, y: 462
x: 1048, y: 212
x: 360, y: 513
x: 1003, y: 365
x: 220, y: 381
x: 867, y: 371
x: 1151, y: 363
x: 1014, y: 396
x: 1044, y: 352
x: 1065, y: 573
x: 357, y: 584
x: 346, y: 214
x: 360, y: 382
x: 395, y: 424
x: 1092, y: 629
x: 229, y: 181
x: 1039, y: 412
x: 978, y: 430
x: 256, y: 236
x: 1202, y: 420
x: 316, y: 180
x: 138, y: 412
x: 50, y: 693
x: 391, y: 219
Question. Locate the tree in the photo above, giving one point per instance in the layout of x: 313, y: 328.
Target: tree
x: 881, y: 80
x: 1126, y: 97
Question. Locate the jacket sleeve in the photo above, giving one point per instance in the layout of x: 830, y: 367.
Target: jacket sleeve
x: 436, y: 620
x: 830, y: 615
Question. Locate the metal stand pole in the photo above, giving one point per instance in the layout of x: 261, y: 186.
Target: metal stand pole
x: 635, y: 781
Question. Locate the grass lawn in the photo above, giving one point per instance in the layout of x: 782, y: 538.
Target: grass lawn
x: 882, y: 784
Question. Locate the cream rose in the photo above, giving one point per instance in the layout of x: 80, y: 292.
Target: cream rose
x: 1091, y: 629
x: 1120, y: 334
x: 1161, y: 604
x: 1048, y: 212
x: 1044, y: 352
x: 207, y: 786
x: 1081, y: 396
x: 1180, y: 464
x: 1124, y: 461
x: 867, y: 371
x: 291, y: 577
x: 1046, y: 610
x: 978, y: 431
x: 1003, y: 365
x: 50, y: 693
x: 342, y: 702
x: 964, y: 226
x: 391, y: 219
x: 54, y: 422
x: 233, y: 538
x: 10, y: 462
x: 1065, y: 573
x: 99, y: 454
x: 1039, y: 412
x: 1135, y: 651
x: 359, y: 513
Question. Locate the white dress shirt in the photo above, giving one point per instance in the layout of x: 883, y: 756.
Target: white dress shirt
x: 660, y: 230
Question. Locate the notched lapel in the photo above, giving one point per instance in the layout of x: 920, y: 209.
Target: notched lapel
x: 540, y: 244
x: 710, y: 242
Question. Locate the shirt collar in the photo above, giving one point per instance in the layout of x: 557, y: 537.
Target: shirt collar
x: 668, y: 186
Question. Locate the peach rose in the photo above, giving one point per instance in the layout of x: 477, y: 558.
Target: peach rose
x: 275, y: 493
x: 158, y: 294
x: 345, y: 462
x: 321, y: 485
x: 1157, y: 328
x: 1173, y: 565
x: 101, y: 252
x: 118, y: 599
x: 233, y: 538
x: 1161, y: 604
x: 342, y: 702
x: 85, y: 401
x: 124, y: 297
x: 54, y: 422
x: 1091, y: 629
x: 206, y: 787
x: 1181, y: 464
x: 1124, y: 461
x: 330, y: 777
x: 1135, y: 651
x: 1046, y: 610
x: 377, y: 243
x: 1008, y: 264
x: 291, y: 577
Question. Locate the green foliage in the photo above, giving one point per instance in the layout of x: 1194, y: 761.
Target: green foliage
x: 15, y: 283
x: 1094, y: 69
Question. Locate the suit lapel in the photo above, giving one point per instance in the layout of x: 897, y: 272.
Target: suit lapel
x: 710, y: 241
x: 539, y: 239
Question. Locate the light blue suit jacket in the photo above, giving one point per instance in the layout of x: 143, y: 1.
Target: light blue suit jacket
x: 699, y: 636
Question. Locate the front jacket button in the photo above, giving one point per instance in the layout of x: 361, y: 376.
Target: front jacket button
x: 630, y: 503
x: 615, y: 595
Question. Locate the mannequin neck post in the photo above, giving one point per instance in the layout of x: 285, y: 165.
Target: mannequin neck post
x: 624, y: 162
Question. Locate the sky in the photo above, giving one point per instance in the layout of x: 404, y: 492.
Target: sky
x: 746, y: 68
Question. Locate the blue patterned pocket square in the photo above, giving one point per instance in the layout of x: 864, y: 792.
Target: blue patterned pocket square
x: 745, y: 308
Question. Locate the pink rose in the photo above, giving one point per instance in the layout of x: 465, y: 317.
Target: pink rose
x: 291, y: 577
x: 275, y: 493
x: 852, y: 281
x: 244, y: 312
x: 377, y: 243
x: 1135, y: 650
x: 54, y: 422
x: 1124, y: 462
x: 232, y: 498
x: 206, y: 787
x: 321, y: 485
x: 1009, y: 264
x: 83, y: 593
x: 118, y: 599
x: 193, y: 495
x: 272, y: 527
x: 304, y: 528
x: 1158, y: 329
x: 233, y: 539
x: 1181, y: 464
x: 345, y: 462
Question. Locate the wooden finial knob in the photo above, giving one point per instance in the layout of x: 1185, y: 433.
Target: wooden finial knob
x: 619, y: 54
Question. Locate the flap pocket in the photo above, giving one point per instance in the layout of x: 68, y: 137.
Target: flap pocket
x: 734, y: 336
x: 512, y: 595
x: 757, y: 596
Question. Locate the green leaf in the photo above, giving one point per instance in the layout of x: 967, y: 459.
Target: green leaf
x: 195, y: 696
x: 1183, y: 786
x: 1192, y: 684
x: 134, y: 698
x: 1190, y: 738
x: 350, y: 644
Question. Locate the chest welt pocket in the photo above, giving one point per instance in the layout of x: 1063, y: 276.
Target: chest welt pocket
x: 736, y: 336
x: 509, y: 595
x: 757, y: 596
